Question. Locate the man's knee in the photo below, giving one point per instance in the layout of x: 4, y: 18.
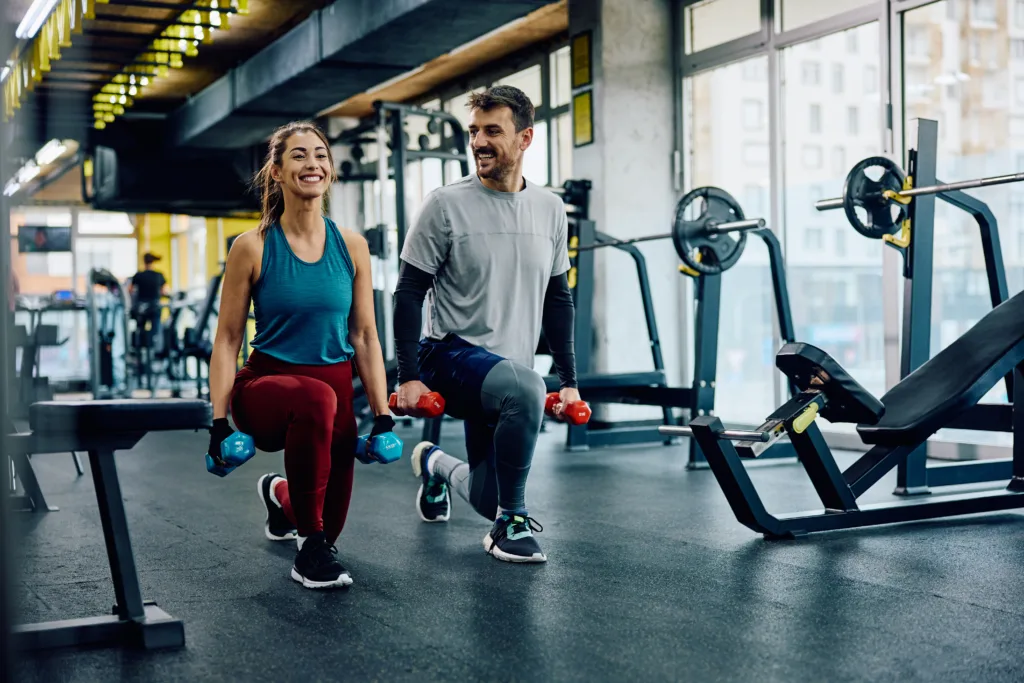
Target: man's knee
x: 528, y: 395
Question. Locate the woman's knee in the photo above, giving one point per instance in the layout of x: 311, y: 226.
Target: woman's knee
x: 313, y: 400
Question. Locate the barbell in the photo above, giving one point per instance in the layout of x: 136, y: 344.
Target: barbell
x: 886, y: 199
x: 708, y: 244
x: 728, y: 434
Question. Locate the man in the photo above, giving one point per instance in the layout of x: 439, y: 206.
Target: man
x: 492, y: 248
x: 146, y: 288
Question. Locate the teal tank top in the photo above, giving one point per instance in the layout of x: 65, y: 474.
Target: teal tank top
x: 302, y: 308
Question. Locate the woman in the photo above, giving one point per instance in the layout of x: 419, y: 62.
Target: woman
x: 309, y: 283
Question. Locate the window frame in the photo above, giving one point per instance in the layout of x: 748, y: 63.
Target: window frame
x: 769, y: 41
x: 538, y: 54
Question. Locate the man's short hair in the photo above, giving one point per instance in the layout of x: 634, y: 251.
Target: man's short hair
x: 505, y: 96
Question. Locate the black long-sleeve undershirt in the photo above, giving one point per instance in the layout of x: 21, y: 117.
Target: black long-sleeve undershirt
x: 557, y: 318
x: 410, y: 291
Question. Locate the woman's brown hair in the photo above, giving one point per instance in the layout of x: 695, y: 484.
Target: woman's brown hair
x: 270, y: 191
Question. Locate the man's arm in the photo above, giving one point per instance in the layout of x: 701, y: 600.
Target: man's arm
x: 424, y: 253
x: 410, y: 291
x: 559, y: 321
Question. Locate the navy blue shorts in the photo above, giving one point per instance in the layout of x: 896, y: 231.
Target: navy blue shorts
x: 456, y: 369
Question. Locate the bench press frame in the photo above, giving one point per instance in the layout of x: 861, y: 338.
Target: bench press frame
x: 914, y: 475
x: 839, y: 489
x: 132, y: 622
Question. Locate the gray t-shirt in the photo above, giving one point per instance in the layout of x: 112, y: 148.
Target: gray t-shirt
x: 492, y: 254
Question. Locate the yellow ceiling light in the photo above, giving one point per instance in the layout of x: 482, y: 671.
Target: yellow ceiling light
x: 192, y: 28
x: 28, y: 63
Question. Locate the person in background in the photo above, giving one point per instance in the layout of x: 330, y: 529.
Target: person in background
x: 146, y: 288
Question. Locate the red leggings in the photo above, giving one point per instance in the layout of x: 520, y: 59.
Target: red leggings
x: 307, y: 411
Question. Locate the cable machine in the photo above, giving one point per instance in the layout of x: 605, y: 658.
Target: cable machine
x: 107, y: 311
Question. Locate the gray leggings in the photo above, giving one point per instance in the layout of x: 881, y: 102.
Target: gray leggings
x: 499, y: 449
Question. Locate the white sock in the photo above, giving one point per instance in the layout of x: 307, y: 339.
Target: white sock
x: 273, y: 496
x: 431, y: 460
x: 299, y: 540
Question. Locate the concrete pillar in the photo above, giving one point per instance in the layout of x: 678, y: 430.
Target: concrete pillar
x: 631, y: 166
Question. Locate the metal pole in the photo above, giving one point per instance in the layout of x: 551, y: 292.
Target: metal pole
x: 385, y: 251
x: 92, y: 331
x: 837, y: 203
x: 7, y: 568
x: 964, y: 185
x: 399, y: 156
x: 736, y: 226
x: 126, y: 307
x: 780, y: 288
x: 911, y: 472
x: 729, y: 226
x: 708, y: 297
x: 730, y: 434
x: 828, y: 204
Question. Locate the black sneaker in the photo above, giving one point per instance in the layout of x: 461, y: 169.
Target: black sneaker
x: 433, y: 499
x: 511, y: 539
x: 316, y: 565
x: 277, y: 527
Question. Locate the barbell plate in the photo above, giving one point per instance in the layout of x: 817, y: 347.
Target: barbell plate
x: 703, y: 250
x: 880, y: 216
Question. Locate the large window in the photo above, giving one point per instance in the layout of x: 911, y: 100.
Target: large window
x: 797, y: 13
x: 959, y: 62
x: 976, y: 102
x: 835, y: 275
x: 725, y: 150
x: 829, y: 115
x: 713, y: 22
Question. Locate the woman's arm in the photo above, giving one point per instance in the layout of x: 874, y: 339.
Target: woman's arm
x: 231, y: 320
x: 362, y: 327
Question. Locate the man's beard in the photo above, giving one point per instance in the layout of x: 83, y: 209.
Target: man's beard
x: 500, y: 166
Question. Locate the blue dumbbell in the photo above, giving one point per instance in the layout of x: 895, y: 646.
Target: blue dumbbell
x: 383, y: 448
x: 235, y: 451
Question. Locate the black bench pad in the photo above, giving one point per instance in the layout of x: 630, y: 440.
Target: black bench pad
x: 954, y: 380
x: 119, y: 416
x: 811, y: 369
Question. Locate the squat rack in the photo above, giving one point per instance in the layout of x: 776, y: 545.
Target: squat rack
x: 386, y: 129
x: 914, y: 475
x: 651, y: 388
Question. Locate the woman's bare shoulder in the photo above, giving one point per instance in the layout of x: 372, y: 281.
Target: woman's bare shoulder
x: 247, y: 252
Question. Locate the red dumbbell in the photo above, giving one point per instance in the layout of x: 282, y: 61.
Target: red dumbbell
x: 431, y: 404
x: 576, y: 412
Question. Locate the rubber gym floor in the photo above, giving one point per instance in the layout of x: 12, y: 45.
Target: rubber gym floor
x: 649, y: 578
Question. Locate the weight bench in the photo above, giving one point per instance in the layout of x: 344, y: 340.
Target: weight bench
x: 941, y: 392
x: 100, y: 428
